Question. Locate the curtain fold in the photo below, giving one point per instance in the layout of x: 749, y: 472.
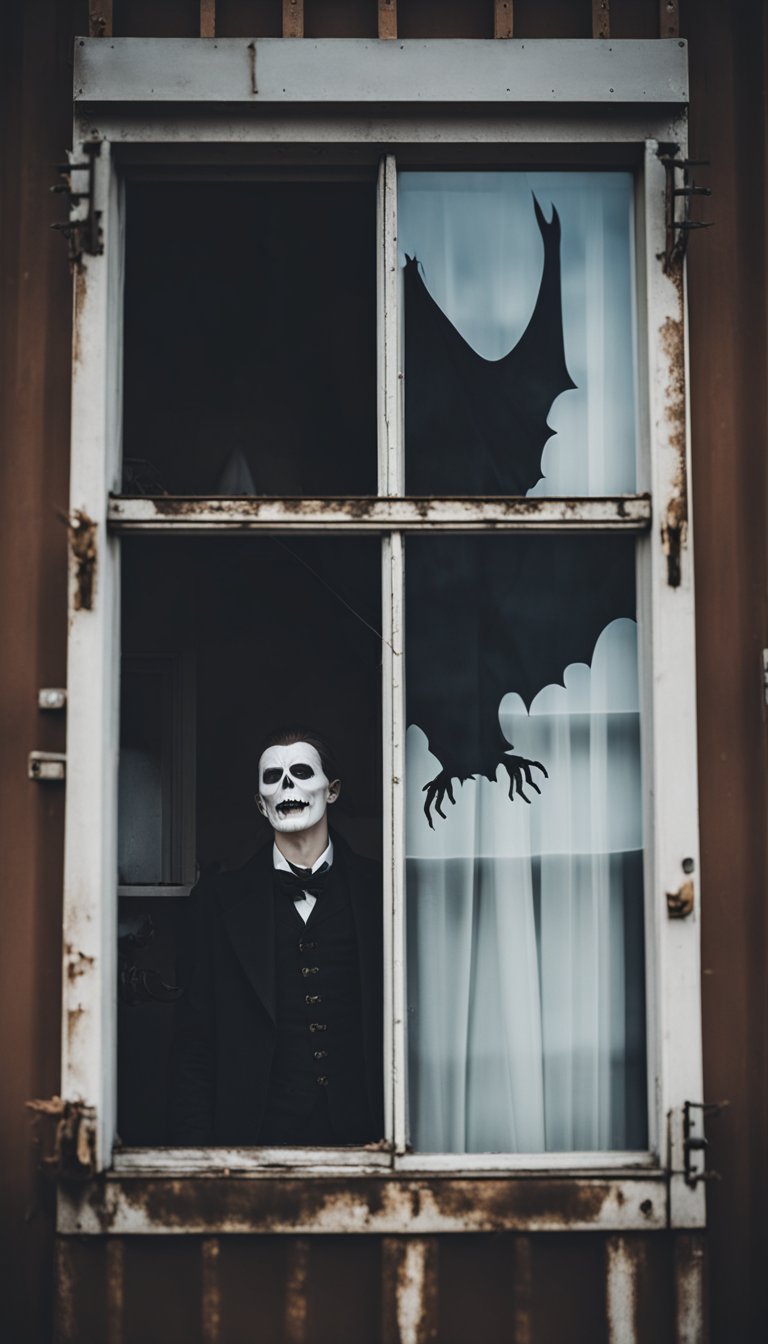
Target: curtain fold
x: 525, y: 931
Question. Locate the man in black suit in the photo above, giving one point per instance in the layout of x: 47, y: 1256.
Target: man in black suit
x: 279, y: 1032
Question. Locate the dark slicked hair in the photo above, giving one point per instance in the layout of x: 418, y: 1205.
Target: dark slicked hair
x: 286, y: 737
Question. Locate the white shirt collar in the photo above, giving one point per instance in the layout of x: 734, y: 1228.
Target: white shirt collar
x: 279, y: 860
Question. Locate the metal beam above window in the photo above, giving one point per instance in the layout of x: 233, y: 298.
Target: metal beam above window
x: 352, y: 70
x: 177, y: 514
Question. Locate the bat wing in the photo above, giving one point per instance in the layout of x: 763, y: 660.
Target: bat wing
x: 490, y: 615
x: 478, y: 426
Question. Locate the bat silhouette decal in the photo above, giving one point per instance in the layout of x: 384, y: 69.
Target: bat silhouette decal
x: 489, y: 614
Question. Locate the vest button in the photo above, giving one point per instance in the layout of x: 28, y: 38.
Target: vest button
x: 309, y: 970
x: 312, y: 998
x: 318, y: 1026
x: 322, y: 1081
x: 307, y: 947
x: 320, y: 1054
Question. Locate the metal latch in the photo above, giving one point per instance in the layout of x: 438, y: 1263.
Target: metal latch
x: 47, y: 766
x: 51, y: 697
x: 695, y: 1142
x: 82, y: 227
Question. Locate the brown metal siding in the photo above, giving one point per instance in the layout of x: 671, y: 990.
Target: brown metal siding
x: 499, y: 1287
x: 728, y: 394
x: 35, y: 372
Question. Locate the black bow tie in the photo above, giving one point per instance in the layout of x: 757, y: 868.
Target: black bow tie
x: 301, y: 880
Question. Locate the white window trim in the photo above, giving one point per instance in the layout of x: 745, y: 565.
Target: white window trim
x: 672, y: 951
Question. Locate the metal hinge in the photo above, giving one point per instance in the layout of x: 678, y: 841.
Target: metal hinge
x: 82, y: 227
x: 765, y: 675
x: 680, y: 190
x: 695, y: 1142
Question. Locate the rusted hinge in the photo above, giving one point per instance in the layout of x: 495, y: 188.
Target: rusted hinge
x: 71, y: 1154
x: 82, y: 227
x: 695, y: 1142
x: 681, y: 188
x: 82, y: 545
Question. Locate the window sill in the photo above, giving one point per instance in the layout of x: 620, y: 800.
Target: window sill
x: 234, y: 1191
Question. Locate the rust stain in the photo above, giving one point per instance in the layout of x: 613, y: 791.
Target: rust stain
x: 82, y: 543
x: 382, y: 1205
x: 674, y: 527
x: 81, y: 286
x: 77, y: 962
x: 416, y: 1290
x: 295, y: 1311
x: 210, y: 1291
x: 71, y: 1154
x: 115, y: 1290
x: 73, y: 1018
x: 680, y: 902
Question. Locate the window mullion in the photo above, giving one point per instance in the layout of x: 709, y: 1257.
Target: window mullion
x: 388, y: 325
x: 393, y: 727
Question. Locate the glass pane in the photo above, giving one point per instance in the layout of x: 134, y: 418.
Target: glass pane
x: 279, y: 632
x: 526, y: 1018
x: 150, y: 842
x: 519, y: 332
x: 250, y: 329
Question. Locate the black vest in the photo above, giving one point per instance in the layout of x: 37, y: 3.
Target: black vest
x: 318, y: 1059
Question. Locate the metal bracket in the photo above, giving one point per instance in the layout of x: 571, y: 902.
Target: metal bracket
x: 47, y: 766
x: 82, y: 228
x: 695, y: 1142
x: 71, y: 1155
x: 51, y: 697
x: 680, y: 188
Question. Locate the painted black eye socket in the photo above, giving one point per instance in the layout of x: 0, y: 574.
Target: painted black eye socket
x: 302, y: 771
x: 271, y: 776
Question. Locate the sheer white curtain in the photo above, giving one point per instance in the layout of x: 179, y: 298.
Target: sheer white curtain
x: 525, y: 930
x: 480, y: 250
x: 525, y: 924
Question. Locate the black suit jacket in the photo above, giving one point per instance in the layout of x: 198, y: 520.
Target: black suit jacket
x: 225, y: 1021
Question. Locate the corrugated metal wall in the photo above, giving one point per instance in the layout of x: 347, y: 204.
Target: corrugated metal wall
x: 507, y: 1287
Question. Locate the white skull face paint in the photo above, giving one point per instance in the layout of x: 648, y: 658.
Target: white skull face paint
x: 294, y: 789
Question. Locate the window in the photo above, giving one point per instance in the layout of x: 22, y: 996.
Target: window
x: 327, y: 398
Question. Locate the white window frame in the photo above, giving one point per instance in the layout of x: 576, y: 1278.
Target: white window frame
x: 150, y: 101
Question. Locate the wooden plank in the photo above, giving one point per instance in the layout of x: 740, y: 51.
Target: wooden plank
x: 601, y: 18
x: 293, y: 18
x: 388, y: 18
x: 207, y: 18
x: 100, y: 18
x: 503, y: 18
x: 669, y: 18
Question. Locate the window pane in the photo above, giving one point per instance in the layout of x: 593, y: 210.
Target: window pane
x: 524, y: 919
x: 519, y: 332
x: 278, y: 632
x: 250, y: 320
